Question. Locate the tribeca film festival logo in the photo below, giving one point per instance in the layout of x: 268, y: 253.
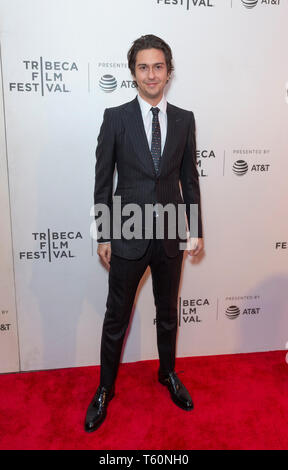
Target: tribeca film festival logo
x: 189, y: 311
x: 187, y: 4
x: 203, y: 159
x: 281, y: 246
x: 240, y: 167
x: 51, y: 245
x: 44, y: 76
x: 233, y: 311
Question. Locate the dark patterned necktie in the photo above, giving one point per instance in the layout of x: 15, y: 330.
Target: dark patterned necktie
x: 156, y: 139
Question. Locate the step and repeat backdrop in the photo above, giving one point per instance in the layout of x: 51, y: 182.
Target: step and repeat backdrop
x: 62, y: 63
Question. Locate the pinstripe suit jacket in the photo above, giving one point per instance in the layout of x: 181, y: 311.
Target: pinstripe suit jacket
x: 122, y: 144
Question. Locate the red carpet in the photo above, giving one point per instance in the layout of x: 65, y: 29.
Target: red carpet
x: 241, y: 402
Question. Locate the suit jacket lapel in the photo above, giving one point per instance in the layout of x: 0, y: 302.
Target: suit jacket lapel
x: 136, y: 130
x: 170, y: 136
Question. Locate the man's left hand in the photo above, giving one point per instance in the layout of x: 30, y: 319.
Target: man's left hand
x: 197, y: 245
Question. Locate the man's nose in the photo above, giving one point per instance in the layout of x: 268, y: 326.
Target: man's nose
x: 151, y: 73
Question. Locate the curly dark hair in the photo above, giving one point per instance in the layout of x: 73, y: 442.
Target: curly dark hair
x: 149, y: 41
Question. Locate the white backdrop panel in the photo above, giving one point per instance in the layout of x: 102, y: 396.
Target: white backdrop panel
x: 9, y: 353
x: 230, y: 70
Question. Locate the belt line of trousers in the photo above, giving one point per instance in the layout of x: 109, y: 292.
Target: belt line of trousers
x: 124, y: 278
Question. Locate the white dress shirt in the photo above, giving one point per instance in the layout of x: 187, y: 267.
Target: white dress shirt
x: 148, y: 116
x: 147, y: 120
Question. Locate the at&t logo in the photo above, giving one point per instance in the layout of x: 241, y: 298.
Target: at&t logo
x: 249, y: 3
x: 240, y: 167
x: 233, y: 311
x: 108, y: 83
x: 252, y: 3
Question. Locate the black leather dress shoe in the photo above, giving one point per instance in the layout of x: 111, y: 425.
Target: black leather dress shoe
x: 178, y: 391
x: 97, y: 409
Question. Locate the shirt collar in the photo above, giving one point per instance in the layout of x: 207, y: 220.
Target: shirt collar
x: 145, y: 106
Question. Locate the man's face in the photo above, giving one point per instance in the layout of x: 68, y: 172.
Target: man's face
x: 151, y: 74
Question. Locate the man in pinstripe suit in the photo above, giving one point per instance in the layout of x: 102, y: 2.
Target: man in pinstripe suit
x: 152, y: 144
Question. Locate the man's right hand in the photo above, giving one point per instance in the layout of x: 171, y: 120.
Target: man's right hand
x: 104, y: 251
